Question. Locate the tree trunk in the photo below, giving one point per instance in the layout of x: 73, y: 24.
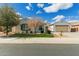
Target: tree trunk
x: 35, y: 30
x: 6, y: 33
x: 7, y: 30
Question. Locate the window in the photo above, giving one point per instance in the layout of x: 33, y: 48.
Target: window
x: 23, y: 27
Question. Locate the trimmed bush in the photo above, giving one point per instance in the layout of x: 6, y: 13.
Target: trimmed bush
x: 32, y: 35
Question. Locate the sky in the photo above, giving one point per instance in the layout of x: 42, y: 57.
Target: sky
x: 49, y: 12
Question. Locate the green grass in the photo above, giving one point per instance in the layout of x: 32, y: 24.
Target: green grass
x: 32, y: 35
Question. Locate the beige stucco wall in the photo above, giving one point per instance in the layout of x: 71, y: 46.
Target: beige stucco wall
x: 16, y: 29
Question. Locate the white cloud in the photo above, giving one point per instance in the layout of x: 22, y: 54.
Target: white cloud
x: 29, y: 17
x: 45, y: 21
x: 57, y: 6
x: 41, y: 5
x: 38, y: 12
x: 30, y: 4
x: 58, y: 17
x: 28, y: 8
x: 18, y: 13
x: 73, y: 21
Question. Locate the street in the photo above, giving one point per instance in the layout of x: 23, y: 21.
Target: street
x: 39, y: 49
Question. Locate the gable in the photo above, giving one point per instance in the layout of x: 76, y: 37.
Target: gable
x: 61, y: 22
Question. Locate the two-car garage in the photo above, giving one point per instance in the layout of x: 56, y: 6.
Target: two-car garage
x: 63, y: 28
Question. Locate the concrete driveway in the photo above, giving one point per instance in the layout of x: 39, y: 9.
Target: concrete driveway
x: 71, y: 34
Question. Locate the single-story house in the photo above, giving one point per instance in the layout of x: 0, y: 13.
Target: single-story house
x: 23, y: 28
x: 57, y: 26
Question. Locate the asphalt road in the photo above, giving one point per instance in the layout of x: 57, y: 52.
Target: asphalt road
x: 39, y: 50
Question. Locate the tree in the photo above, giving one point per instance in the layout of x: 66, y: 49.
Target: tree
x: 8, y: 18
x: 34, y: 23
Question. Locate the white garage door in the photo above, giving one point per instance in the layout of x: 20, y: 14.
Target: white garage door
x: 63, y: 28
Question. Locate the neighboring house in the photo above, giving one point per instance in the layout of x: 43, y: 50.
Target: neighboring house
x: 61, y: 25
x: 74, y: 26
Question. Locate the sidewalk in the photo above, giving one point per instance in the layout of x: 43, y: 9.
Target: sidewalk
x: 39, y: 40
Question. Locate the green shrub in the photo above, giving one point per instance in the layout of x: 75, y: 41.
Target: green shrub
x: 32, y: 35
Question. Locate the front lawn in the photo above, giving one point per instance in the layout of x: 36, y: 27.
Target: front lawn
x: 32, y: 35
